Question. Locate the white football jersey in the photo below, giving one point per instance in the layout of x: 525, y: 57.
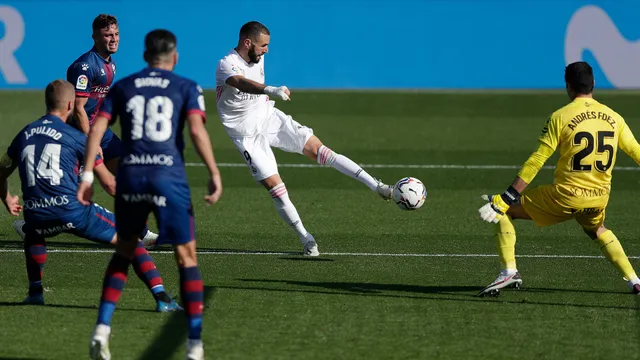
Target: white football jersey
x: 242, y: 114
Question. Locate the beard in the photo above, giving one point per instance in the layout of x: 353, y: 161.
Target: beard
x: 253, y: 57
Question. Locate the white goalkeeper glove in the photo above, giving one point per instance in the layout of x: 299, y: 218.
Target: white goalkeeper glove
x: 497, y: 205
x: 280, y: 92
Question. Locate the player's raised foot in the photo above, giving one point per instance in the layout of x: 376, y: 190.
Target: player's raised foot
x: 17, y: 226
x: 384, y: 190
x: 163, y: 306
x: 310, y: 246
x: 34, y: 300
x: 99, y: 348
x: 195, y: 351
x: 150, y: 239
x: 506, y: 278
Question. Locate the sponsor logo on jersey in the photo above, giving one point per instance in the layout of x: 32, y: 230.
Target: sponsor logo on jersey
x: 152, y: 199
x: 55, y: 229
x: 81, y: 83
x: 148, y: 159
x: 100, y: 89
x: 44, y: 203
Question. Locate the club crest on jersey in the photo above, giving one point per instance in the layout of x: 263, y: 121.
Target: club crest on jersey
x: 85, y: 67
x: 113, y: 68
x: 236, y: 70
x: 81, y: 83
x: 102, y: 73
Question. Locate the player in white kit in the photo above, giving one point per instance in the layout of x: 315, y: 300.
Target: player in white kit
x: 255, y: 125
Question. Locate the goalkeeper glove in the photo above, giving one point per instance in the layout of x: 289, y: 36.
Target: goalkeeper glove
x: 281, y: 92
x: 497, y: 205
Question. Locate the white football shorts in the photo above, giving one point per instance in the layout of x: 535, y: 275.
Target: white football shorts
x: 281, y: 132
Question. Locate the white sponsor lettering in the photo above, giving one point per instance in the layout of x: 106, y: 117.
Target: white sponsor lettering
x: 46, y: 202
x: 152, y: 81
x: 10, y: 42
x: 43, y: 130
x: 147, y: 159
x: 153, y: 199
x: 55, y: 229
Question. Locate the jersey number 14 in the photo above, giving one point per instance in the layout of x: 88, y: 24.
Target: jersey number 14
x: 48, y: 164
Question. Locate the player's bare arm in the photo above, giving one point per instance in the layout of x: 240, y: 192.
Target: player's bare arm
x: 80, y: 115
x: 96, y: 133
x: 253, y: 87
x: 11, y: 202
x: 202, y: 143
x: 106, y: 179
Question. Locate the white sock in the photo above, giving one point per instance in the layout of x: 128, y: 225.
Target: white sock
x: 346, y: 166
x: 287, y: 211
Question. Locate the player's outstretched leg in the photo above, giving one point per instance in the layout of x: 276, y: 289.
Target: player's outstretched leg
x: 191, y: 292
x: 506, y: 243
x: 289, y: 214
x: 146, y: 270
x: 115, y: 279
x: 35, y: 253
x: 327, y: 157
x: 613, y: 251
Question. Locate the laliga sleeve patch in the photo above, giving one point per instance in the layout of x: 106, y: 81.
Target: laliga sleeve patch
x: 81, y: 83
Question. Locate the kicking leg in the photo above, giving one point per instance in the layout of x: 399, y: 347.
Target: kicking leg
x: 316, y: 151
x: 289, y: 214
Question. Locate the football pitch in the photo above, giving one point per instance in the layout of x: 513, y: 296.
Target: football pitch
x: 389, y: 284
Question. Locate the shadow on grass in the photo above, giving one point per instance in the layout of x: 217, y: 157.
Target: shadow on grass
x: 63, y: 306
x: 173, y: 334
x: 466, y: 294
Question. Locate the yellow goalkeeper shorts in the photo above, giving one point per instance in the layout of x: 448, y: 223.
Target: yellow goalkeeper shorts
x: 542, y: 205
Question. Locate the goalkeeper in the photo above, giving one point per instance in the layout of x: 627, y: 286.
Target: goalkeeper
x: 587, y: 135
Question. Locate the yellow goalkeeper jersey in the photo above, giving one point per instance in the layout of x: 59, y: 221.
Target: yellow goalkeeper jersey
x: 587, y: 135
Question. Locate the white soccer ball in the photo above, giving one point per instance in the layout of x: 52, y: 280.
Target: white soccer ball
x: 409, y: 193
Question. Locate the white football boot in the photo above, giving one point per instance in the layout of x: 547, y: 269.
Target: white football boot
x: 310, y: 246
x: 17, y: 226
x: 195, y: 351
x: 506, y: 278
x: 384, y: 190
x: 150, y: 239
x: 99, y: 349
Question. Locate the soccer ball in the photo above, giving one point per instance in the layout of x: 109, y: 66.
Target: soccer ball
x: 409, y: 193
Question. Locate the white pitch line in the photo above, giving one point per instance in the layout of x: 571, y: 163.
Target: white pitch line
x: 415, y: 166
x: 207, y: 252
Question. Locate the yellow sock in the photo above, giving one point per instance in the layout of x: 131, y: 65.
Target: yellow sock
x: 506, y: 241
x: 612, y: 250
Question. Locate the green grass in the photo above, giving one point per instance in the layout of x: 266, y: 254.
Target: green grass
x: 283, y: 306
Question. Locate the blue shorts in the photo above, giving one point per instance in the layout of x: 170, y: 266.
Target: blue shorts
x: 93, y: 223
x: 111, y: 146
x: 168, y: 199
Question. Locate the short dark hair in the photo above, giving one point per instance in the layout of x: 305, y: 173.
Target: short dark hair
x: 159, y: 42
x: 579, y: 76
x: 57, y: 93
x: 104, y: 21
x: 252, y: 30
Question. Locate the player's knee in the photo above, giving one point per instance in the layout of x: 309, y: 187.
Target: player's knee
x: 593, y: 233
x: 312, y: 148
x: 186, y: 254
x: 126, y: 246
x: 516, y: 211
x: 271, y: 182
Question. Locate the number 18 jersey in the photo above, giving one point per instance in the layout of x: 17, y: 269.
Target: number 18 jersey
x: 587, y: 135
x: 153, y: 105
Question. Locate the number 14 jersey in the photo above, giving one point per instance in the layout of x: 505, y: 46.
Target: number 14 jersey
x: 587, y: 135
x: 153, y: 105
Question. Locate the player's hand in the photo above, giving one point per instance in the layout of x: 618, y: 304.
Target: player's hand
x: 281, y: 92
x: 85, y: 192
x: 215, y: 189
x: 13, y: 205
x: 494, y: 209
